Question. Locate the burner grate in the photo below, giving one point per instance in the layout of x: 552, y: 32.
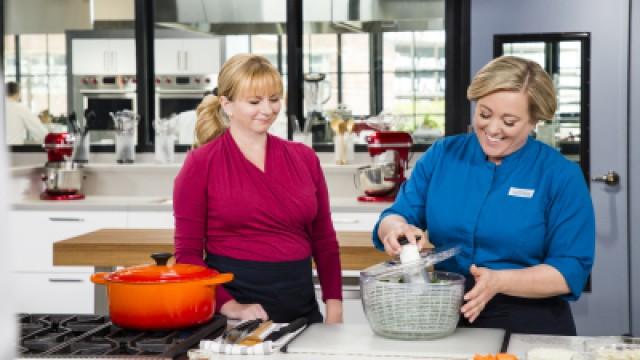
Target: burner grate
x: 69, y: 336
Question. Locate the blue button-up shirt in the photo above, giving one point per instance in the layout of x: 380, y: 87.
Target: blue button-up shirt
x: 534, y: 208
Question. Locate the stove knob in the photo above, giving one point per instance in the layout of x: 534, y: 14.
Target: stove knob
x: 157, y: 81
x: 134, y: 80
x: 94, y: 81
x: 196, y: 80
x: 167, y: 80
x: 207, y: 80
x: 84, y: 81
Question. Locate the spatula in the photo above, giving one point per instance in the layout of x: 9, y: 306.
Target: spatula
x: 254, y: 337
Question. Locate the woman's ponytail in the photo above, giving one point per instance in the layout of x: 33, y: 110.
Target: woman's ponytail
x: 210, y: 123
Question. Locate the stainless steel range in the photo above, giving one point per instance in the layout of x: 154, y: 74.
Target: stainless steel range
x: 94, y: 336
x: 178, y: 93
x: 102, y: 95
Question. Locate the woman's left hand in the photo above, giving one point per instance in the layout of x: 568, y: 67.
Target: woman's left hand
x: 486, y: 287
x: 334, y: 312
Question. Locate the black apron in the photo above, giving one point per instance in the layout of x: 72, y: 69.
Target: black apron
x: 284, y: 289
x: 549, y: 316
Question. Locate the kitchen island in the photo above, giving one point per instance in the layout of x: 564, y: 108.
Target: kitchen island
x: 108, y: 248
x: 125, y: 247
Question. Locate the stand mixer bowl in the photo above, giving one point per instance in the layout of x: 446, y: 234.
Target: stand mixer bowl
x: 64, y: 177
x: 376, y: 180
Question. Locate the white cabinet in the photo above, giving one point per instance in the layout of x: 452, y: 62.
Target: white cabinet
x: 56, y: 293
x: 33, y: 232
x: 354, y: 221
x: 103, y: 56
x: 187, y: 56
x: 40, y: 286
x: 150, y: 219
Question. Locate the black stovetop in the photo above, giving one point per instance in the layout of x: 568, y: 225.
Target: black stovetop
x: 94, y: 336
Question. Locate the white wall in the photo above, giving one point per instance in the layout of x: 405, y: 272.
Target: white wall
x: 7, y: 317
x: 606, y: 310
x: 634, y: 166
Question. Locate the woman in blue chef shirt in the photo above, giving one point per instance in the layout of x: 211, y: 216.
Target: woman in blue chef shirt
x: 520, y: 212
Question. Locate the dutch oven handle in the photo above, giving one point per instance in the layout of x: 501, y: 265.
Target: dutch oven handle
x: 99, y: 278
x: 218, y: 279
x: 161, y: 259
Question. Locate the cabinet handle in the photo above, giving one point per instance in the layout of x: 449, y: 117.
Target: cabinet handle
x: 61, y: 280
x: 178, y: 60
x: 66, y: 219
x: 346, y: 221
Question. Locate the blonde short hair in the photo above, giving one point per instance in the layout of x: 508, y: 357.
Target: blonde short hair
x: 512, y: 73
x: 241, y: 75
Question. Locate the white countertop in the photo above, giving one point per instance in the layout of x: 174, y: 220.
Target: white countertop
x: 163, y: 203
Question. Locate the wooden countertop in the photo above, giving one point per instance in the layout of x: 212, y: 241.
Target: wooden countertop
x: 126, y: 247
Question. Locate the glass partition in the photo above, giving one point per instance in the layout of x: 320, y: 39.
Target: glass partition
x: 565, y: 58
x: 383, y: 66
x: 194, y: 39
x: 63, y: 65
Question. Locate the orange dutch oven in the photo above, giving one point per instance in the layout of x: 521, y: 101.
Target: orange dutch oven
x: 161, y: 296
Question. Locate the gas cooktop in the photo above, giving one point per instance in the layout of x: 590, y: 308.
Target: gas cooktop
x: 94, y: 336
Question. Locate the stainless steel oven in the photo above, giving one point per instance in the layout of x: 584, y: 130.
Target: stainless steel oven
x: 180, y: 95
x: 102, y: 95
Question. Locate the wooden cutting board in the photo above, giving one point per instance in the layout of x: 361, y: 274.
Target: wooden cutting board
x: 359, y: 339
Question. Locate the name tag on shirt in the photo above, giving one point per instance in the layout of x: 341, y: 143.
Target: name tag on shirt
x: 523, y: 193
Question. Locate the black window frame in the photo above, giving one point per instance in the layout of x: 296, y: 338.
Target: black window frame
x: 552, y: 41
x: 457, y: 67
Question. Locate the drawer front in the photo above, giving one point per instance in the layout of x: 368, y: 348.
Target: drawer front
x: 56, y: 293
x: 33, y: 233
x: 354, y: 221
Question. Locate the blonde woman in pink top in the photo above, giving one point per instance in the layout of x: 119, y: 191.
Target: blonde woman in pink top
x: 255, y: 205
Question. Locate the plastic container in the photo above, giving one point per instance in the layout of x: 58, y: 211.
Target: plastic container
x: 125, y: 148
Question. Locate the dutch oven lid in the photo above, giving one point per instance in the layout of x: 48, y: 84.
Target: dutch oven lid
x: 161, y: 272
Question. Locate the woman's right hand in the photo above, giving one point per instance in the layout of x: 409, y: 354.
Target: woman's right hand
x: 234, y: 310
x: 413, y: 234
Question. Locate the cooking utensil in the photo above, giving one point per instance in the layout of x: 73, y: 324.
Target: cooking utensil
x: 293, y: 326
x: 391, y: 268
x: 161, y: 296
x: 254, y: 337
x: 234, y: 334
x: 412, y: 311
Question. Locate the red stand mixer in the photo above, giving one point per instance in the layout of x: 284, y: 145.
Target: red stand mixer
x: 390, y: 153
x: 62, y: 177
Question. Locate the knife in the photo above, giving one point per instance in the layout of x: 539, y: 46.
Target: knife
x: 293, y: 326
x: 236, y: 333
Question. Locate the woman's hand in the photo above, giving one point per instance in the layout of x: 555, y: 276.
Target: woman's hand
x: 234, y: 310
x: 413, y: 234
x: 486, y: 287
x: 334, y: 312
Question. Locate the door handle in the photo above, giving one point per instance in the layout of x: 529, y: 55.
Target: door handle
x: 611, y: 178
x: 64, y: 280
x: 66, y: 219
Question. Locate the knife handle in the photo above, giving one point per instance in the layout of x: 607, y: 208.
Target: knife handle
x: 293, y: 326
x: 254, y: 337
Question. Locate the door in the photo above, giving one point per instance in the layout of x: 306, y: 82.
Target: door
x: 604, y: 309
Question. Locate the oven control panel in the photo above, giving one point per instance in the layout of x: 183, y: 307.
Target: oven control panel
x: 99, y: 82
x: 184, y: 82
